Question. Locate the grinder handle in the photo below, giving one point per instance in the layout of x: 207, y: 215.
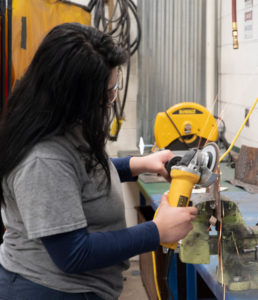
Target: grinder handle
x: 180, y: 192
x: 172, y: 162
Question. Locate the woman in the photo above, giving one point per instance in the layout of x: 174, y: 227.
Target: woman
x: 62, y: 205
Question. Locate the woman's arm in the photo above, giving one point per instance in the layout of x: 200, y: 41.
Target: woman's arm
x: 123, y: 168
x: 78, y: 251
x: 130, y: 167
x: 152, y: 163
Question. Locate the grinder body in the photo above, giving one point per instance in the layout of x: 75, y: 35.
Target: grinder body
x: 194, y: 168
x: 183, y: 181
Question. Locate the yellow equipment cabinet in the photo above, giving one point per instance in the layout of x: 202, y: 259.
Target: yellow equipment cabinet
x: 185, y: 125
x: 32, y: 19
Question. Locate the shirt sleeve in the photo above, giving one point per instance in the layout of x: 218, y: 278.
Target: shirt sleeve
x: 123, y: 168
x: 48, y: 196
x: 77, y: 251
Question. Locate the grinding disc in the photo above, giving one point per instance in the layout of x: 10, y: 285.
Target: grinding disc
x: 212, y: 157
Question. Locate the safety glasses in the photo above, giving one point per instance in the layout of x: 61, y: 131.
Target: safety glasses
x: 113, y: 92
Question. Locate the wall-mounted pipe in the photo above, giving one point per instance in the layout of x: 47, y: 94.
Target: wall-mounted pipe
x: 211, y: 86
x: 234, y: 25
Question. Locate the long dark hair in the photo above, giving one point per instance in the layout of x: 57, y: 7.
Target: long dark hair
x: 66, y: 82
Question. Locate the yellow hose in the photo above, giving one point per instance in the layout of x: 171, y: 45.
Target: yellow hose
x: 239, y: 131
x: 155, y: 267
x: 155, y: 275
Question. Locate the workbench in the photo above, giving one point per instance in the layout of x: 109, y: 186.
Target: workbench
x: 248, y: 206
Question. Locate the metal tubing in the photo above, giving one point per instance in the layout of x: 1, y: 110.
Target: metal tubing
x: 234, y: 15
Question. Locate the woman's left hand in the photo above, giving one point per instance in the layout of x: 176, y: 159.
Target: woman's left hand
x: 152, y: 163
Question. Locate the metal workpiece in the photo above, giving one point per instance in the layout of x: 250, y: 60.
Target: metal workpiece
x: 238, y: 264
x: 246, y: 167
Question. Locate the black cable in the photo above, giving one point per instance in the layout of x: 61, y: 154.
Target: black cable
x: 120, y: 21
x: 137, y: 40
x: 169, y: 257
x: 90, y: 6
x: 173, y: 123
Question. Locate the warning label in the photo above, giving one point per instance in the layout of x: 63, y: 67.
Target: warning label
x: 182, y: 201
x: 248, y: 19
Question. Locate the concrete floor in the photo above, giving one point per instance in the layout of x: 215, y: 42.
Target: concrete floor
x: 133, y: 287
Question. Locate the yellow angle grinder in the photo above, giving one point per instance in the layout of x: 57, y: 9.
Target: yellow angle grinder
x: 196, y: 167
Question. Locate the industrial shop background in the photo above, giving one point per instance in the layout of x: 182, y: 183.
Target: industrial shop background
x: 186, y: 54
x: 213, y: 73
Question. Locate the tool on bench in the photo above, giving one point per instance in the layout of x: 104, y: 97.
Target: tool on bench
x: 185, y: 125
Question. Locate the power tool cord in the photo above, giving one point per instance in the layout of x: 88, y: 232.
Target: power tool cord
x: 155, y: 274
x: 169, y: 257
x: 168, y: 261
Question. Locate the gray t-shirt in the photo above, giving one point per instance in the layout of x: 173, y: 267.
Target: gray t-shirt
x: 48, y: 193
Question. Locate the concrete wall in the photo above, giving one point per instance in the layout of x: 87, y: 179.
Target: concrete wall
x: 238, y: 70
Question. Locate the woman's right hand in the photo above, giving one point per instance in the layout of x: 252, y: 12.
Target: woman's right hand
x: 173, y: 223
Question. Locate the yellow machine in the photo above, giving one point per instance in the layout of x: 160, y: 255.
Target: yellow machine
x: 185, y: 125
x: 32, y: 20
